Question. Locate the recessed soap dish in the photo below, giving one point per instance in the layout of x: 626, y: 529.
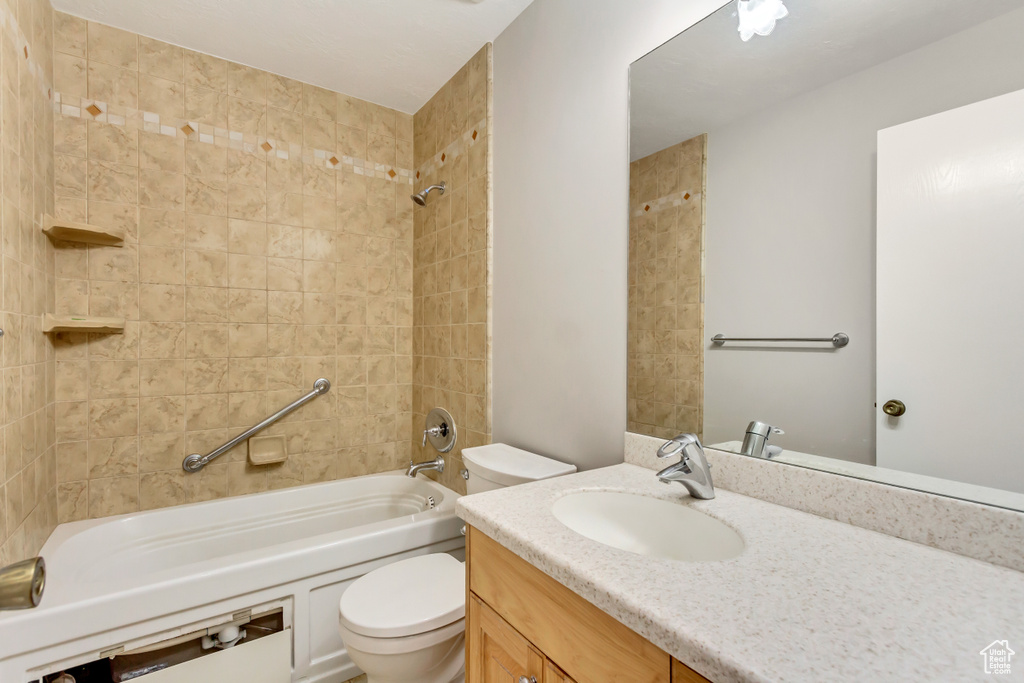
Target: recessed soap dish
x: 267, y: 450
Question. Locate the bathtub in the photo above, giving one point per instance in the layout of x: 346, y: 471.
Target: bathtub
x: 126, y: 582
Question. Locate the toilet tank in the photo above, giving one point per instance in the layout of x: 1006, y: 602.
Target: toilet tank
x: 498, y: 465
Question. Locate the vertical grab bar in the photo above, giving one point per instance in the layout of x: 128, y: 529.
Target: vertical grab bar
x: 196, y: 462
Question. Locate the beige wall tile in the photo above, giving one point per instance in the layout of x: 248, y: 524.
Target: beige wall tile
x: 160, y: 59
x: 246, y: 116
x: 113, y: 85
x: 161, y: 414
x: 247, y: 83
x: 110, y: 182
x: 71, y: 176
x: 284, y: 93
x: 353, y: 112
x: 318, y: 102
x: 206, y: 105
x: 70, y: 75
x: 206, y: 268
x: 116, y: 144
x: 158, y: 226
x: 664, y: 382
x: 113, y: 496
x: 163, y: 96
x: 113, y: 46
x: 161, y: 152
x: 70, y: 136
x: 239, y: 267
x: 161, y: 189
x: 70, y: 34
x: 205, y: 71
x: 161, y: 340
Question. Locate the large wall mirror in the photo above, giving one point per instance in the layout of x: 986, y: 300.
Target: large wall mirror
x: 841, y: 203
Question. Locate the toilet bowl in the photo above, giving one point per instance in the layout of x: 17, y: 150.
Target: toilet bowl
x: 406, y: 622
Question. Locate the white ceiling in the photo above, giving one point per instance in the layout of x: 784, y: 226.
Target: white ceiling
x: 706, y: 77
x: 397, y: 53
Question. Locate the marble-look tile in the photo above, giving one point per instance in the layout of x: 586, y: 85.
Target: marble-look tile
x: 161, y: 59
x: 113, y: 46
x: 113, y: 496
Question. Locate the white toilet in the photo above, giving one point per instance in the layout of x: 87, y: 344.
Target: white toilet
x: 406, y: 622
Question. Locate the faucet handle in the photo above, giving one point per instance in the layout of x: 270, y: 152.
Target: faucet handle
x: 437, y: 430
x: 675, y: 446
x: 669, y: 449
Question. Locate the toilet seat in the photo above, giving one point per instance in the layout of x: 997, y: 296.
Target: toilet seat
x: 417, y: 597
x: 401, y: 645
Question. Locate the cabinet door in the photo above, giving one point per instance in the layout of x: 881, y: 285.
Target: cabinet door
x: 497, y: 653
x: 552, y: 674
x: 684, y: 674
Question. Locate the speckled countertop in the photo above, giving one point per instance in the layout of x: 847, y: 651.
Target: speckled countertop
x: 809, y: 599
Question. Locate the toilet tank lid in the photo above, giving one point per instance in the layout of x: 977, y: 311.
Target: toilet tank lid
x: 406, y: 598
x: 504, y: 464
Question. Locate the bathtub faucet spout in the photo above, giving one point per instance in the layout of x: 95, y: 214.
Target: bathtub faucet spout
x: 435, y: 464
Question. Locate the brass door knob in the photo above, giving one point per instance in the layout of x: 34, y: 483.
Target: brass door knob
x: 894, y: 408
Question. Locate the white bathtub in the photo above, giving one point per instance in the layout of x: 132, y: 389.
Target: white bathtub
x: 143, y: 578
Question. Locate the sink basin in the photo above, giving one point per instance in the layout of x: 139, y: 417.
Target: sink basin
x: 648, y: 526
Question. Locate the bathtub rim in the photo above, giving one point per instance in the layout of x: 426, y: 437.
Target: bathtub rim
x: 32, y: 630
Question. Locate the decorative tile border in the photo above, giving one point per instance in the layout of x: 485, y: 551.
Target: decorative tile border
x: 667, y: 202
x: 151, y: 122
x: 459, y: 146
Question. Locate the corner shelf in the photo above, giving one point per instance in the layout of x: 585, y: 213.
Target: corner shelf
x: 70, y: 231
x: 81, y: 323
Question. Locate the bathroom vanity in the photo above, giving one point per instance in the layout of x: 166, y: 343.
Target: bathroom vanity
x: 807, y: 598
x: 521, y: 622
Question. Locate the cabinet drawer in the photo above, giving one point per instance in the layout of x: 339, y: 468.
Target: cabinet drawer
x: 587, y: 644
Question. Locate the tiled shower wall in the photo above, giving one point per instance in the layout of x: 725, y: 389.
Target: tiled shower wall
x: 665, y: 370
x: 28, y: 501
x: 451, y: 334
x: 270, y: 242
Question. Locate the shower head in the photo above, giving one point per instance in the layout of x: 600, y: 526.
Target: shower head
x: 420, y: 198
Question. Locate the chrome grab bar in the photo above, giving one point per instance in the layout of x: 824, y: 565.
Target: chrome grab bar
x: 196, y: 462
x: 838, y: 340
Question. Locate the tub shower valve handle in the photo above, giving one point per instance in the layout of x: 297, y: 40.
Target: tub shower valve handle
x: 440, y: 430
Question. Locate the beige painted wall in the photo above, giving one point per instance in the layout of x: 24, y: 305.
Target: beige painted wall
x: 561, y: 219
x: 666, y: 312
x: 28, y: 505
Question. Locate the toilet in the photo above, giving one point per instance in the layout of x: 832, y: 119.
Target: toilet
x: 406, y: 622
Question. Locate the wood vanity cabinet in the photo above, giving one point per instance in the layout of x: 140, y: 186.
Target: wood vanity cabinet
x: 525, y: 627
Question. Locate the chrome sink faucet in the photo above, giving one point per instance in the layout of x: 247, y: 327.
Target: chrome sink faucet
x: 692, y: 470
x: 755, y: 441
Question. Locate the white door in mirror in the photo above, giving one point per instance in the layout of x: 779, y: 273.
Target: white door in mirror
x: 648, y: 526
x: 949, y: 289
